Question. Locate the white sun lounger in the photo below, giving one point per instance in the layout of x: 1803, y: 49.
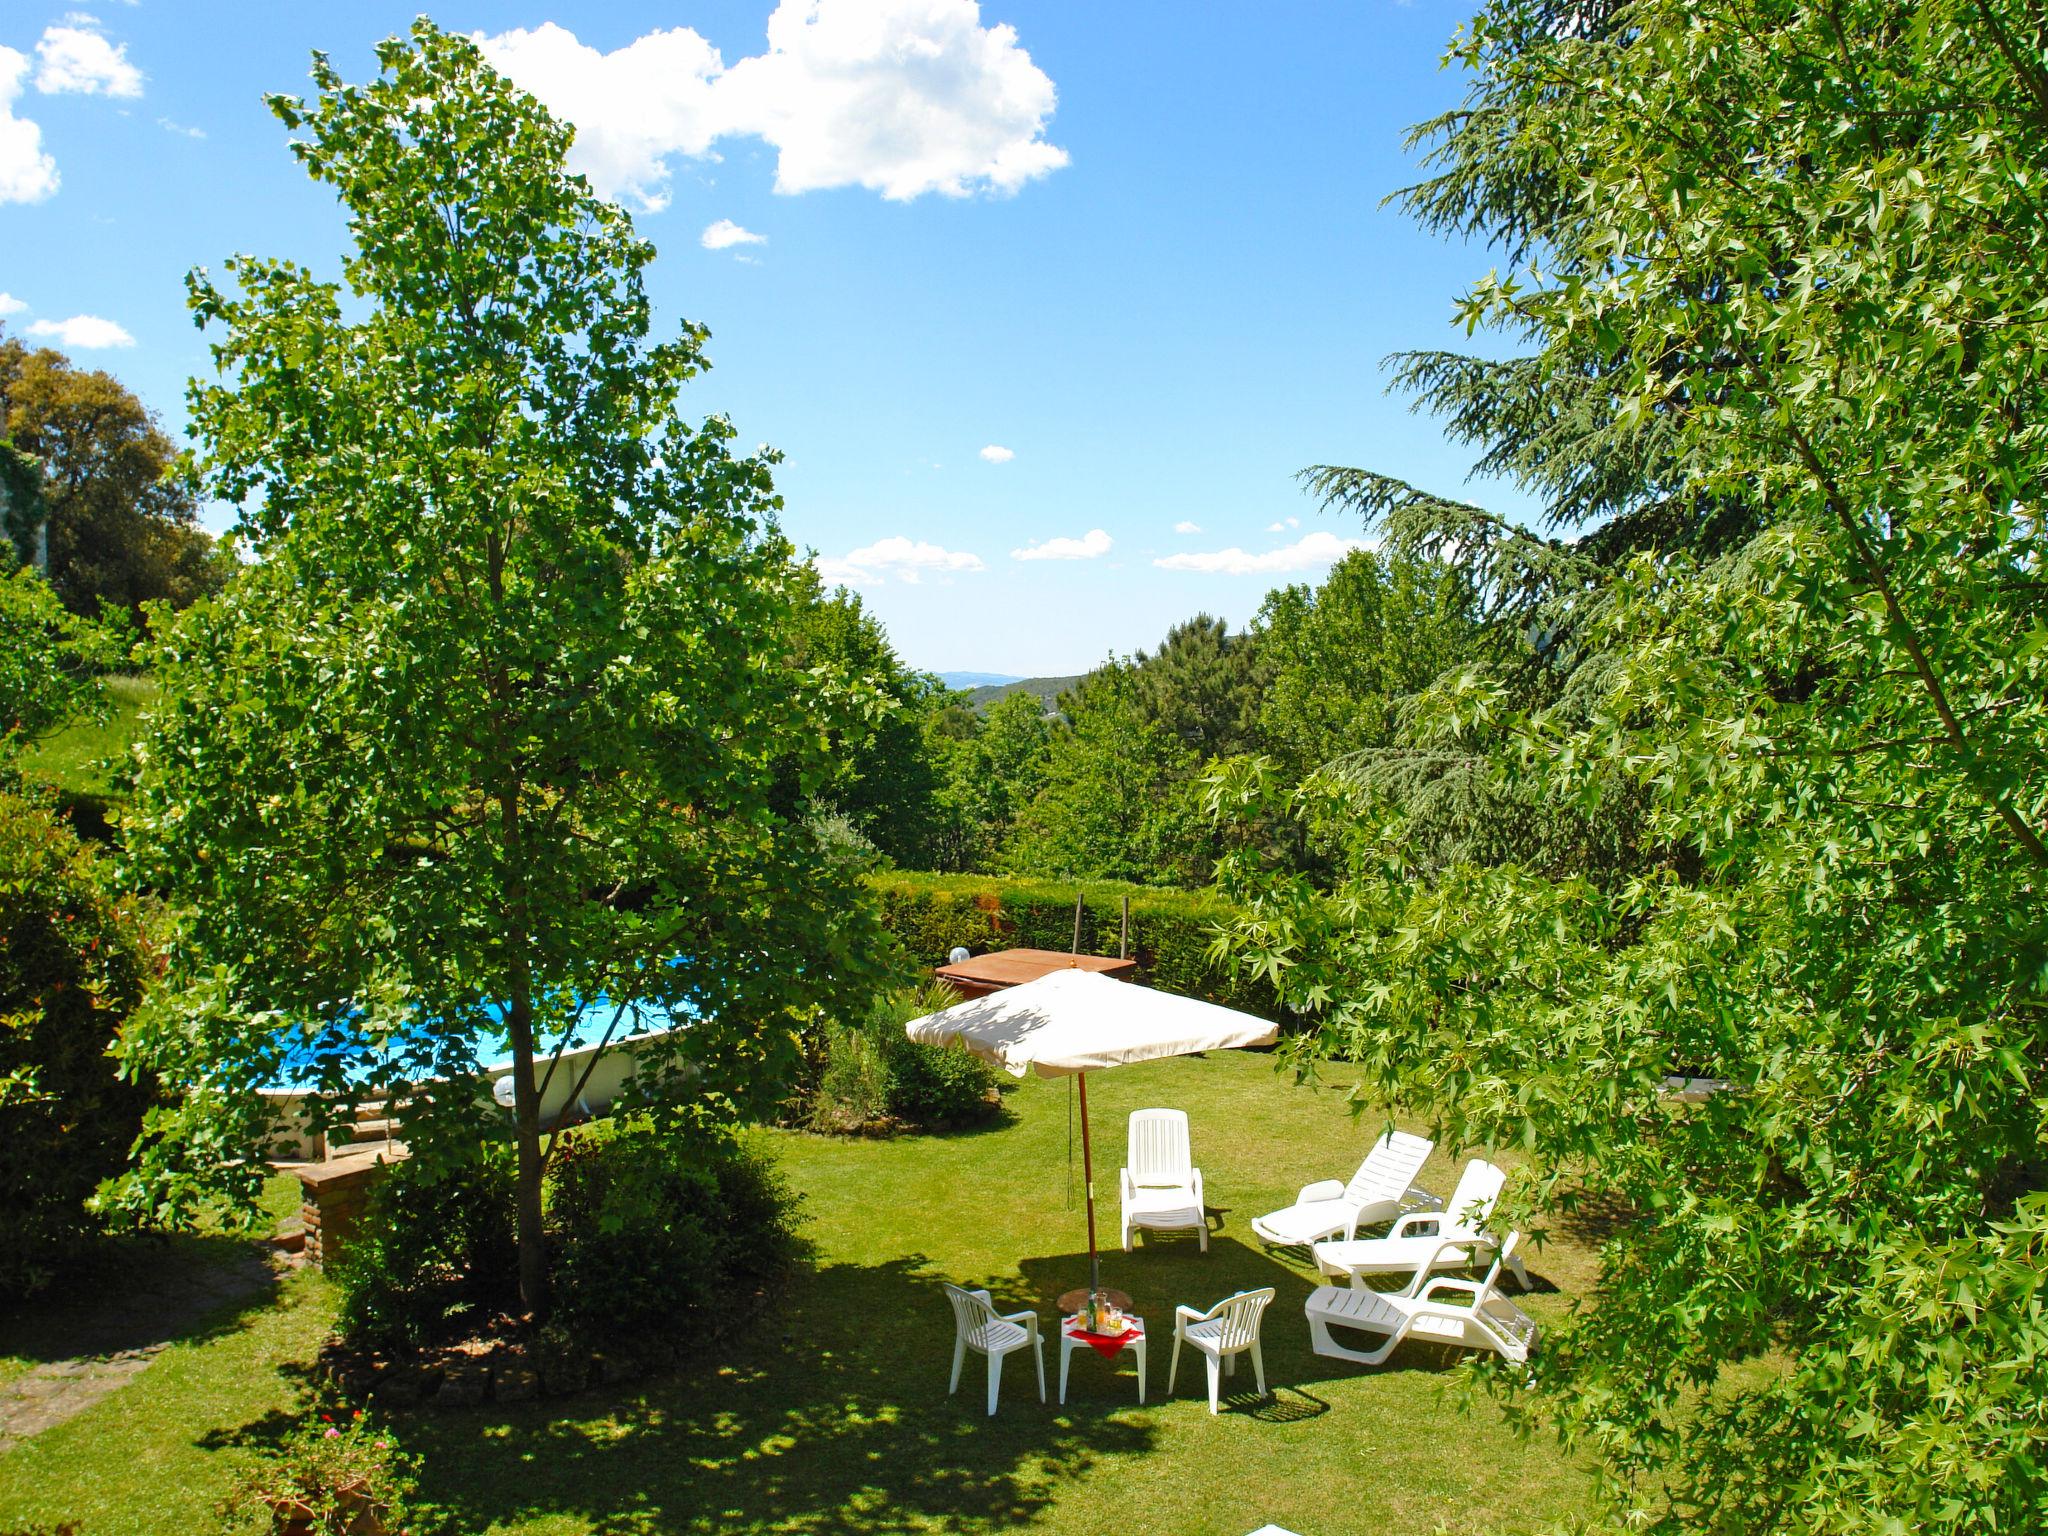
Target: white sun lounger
x: 1470, y: 1313
x: 1456, y: 1238
x: 1382, y: 1189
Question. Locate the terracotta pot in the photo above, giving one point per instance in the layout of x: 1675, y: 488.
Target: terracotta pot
x: 365, y: 1514
x: 289, y: 1516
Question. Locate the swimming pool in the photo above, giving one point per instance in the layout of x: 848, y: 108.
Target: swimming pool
x: 331, y: 1060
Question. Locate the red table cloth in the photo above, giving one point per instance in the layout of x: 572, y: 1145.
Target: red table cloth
x: 1106, y: 1345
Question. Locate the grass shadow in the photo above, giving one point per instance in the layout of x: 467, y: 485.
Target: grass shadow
x: 829, y: 1419
x: 142, y: 1292
x: 1160, y: 1278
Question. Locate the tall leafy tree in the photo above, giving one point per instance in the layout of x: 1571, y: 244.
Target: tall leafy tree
x: 1113, y: 792
x: 120, y: 526
x: 506, y: 718
x: 1769, y: 259
x: 1340, y: 658
x: 1002, y: 771
x: 890, y: 768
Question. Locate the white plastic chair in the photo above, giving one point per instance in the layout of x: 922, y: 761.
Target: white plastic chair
x: 1488, y: 1320
x: 1382, y: 1189
x: 978, y: 1326
x: 1225, y: 1331
x: 1162, y: 1188
x: 1457, y: 1238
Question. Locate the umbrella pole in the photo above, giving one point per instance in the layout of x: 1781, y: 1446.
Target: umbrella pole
x: 1088, y: 1179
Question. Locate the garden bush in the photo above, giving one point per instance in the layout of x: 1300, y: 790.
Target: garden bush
x: 874, y: 1076
x: 660, y: 1234
x: 433, y: 1256
x: 72, y: 966
x: 1171, y: 931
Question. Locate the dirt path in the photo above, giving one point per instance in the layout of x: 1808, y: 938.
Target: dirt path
x: 110, y: 1343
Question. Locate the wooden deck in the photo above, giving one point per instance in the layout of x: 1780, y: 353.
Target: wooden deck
x: 993, y: 972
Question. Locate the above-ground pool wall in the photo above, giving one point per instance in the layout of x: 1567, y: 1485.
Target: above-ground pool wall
x: 295, y: 1141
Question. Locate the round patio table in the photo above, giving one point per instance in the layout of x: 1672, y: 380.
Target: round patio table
x: 1109, y: 1346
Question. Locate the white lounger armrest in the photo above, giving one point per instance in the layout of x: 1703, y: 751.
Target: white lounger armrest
x: 1199, y: 1199
x: 1125, y: 1180
x: 1417, y: 1224
x: 1447, y: 1283
x: 1322, y: 1189
x: 1421, y: 1282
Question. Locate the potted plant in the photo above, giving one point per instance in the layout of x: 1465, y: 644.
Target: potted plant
x: 335, y: 1475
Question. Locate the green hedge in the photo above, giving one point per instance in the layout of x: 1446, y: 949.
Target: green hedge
x: 1170, y: 930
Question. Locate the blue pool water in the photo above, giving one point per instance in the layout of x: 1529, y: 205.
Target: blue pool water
x: 333, y: 1056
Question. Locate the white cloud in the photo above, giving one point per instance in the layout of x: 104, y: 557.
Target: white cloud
x: 906, y: 559
x: 903, y: 97
x: 85, y: 332
x: 1185, y: 526
x: 1094, y: 542
x: 27, y: 175
x: 1307, y: 553
x: 170, y: 127
x: 1283, y: 526
x: 10, y: 305
x: 725, y: 233
x: 75, y: 58
x: 996, y: 453
x: 632, y: 108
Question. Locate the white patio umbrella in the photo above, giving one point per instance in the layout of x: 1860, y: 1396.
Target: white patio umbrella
x: 1071, y: 1023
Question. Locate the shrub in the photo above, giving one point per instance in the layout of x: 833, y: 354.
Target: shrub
x: 72, y: 966
x: 874, y: 1073
x: 433, y: 1255
x: 1171, y: 931
x: 658, y: 1234
x: 852, y: 1090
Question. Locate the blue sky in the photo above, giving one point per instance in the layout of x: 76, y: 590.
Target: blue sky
x: 1138, y: 246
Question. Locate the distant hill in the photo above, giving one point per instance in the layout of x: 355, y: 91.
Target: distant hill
x: 1047, y: 688
x: 977, y: 679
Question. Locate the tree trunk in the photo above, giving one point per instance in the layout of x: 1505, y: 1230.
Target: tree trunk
x: 533, y: 1248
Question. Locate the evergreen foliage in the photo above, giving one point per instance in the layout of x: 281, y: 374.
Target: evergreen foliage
x: 1784, y: 711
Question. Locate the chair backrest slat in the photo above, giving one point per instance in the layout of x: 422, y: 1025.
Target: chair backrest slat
x: 1240, y: 1317
x: 1389, y: 1170
x: 1470, y: 1207
x: 969, y: 1310
x: 1158, y: 1151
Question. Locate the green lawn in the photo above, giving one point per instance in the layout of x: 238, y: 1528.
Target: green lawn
x: 76, y: 760
x: 831, y: 1416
